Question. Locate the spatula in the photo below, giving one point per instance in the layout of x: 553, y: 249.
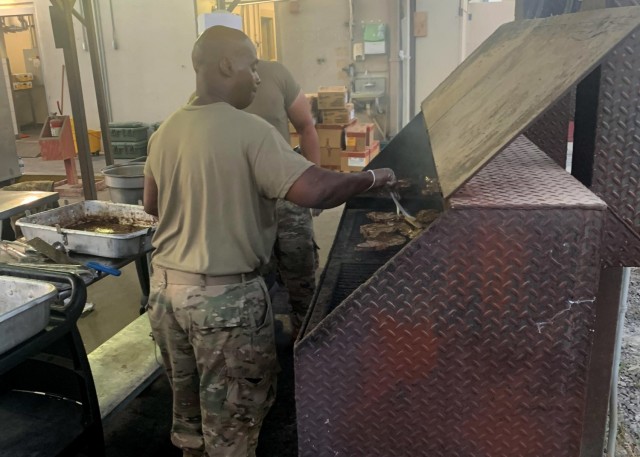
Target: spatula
x: 400, y: 210
x: 52, y: 253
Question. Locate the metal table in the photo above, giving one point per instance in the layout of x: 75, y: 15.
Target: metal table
x: 142, y: 268
x: 15, y: 202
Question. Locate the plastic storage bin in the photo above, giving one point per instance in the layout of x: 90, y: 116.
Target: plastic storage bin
x: 129, y: 149
x: 128, y: 131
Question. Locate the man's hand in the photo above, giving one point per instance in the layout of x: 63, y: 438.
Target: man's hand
x: 383, y: 177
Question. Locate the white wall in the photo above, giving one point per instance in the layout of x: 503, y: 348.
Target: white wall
x: 314, y: 44
x: 437, y: 54
x: 150, y: 74
x: 52, y: 61
x: 485, y: 19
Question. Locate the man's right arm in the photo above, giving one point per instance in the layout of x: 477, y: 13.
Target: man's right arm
x: 150, y: 196
x: 320, y: 188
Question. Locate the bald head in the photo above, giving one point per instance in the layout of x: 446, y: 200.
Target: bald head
x: 224, y: 60
x: 215, y: 43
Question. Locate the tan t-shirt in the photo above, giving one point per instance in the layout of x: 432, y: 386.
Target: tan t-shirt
x: 276, y: 92
x: 219, y: 172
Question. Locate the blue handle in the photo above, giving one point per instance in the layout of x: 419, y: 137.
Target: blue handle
x: 103, y: 268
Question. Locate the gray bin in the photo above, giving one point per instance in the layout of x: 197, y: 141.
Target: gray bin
x: 125, y: 182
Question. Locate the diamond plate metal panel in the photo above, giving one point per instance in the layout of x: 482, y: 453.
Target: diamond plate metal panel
x: 523, y: 177
x: 550, y: 131
x: 616, y: 168
x: 473, y: 340
x: 620, y: 243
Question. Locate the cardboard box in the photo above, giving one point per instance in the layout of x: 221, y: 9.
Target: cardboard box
x: 359, y: 136
x: 331, y: 135
x: 374, y: 150
x: 354, y: 161
x: 23, y: 77
x: 339, y: 116
x: 22, y: 85
x: 330, y: 158
x: 332, y: 97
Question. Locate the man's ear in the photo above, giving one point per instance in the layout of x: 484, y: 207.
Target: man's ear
x: 226, y: 67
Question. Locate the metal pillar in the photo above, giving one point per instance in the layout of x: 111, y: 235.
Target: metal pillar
x: 62, y: 20
x: 600, y: 372
x: 98, y: 82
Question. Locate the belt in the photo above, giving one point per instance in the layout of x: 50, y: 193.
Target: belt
x: 195, y: 279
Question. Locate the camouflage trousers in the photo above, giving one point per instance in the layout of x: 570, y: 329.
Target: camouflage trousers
x: 218, y: 348
x: 296, y: 257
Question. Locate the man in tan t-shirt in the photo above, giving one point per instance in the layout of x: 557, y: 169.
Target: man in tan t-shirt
x: 279, y: 100
x: 212, y: 176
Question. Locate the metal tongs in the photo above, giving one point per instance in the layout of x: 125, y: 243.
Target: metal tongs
x: 401, y: 211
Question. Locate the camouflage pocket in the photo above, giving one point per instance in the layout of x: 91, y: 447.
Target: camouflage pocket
x: 253, y: 351
x: 217, y: 307
x: 257, y: 392
x: 236, y: 305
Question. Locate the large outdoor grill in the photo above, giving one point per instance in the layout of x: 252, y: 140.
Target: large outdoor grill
x: 477, y: 337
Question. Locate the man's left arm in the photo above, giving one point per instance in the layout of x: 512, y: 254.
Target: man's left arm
x: 299, y: 113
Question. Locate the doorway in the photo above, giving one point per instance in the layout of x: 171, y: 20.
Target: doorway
x: 258, y: 22
x: 20, y: 51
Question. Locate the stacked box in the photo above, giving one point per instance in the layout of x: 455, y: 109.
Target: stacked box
x: 128, y: 139
x: 339, y: 116
x: 332, y: 135
x: 330, y: 158
x: 22, y: 77
x: 22, y: 85
x: 354, y: 161
x: 333, y: 106
x: 332, y: 97
x: 359, y: 137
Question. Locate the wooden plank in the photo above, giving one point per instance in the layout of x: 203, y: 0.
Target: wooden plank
x: 124, y: 365
x: 510, y: 80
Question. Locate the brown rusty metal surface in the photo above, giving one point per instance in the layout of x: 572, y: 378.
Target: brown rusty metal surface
x: 550, y: 131
x: 616, y: 167
x: 520, y: 177
x: 474, y: 340
x: 620, y: 243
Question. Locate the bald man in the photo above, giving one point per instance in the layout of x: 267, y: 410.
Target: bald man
x: 213, y: 176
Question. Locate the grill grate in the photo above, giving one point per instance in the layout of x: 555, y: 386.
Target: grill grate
x: 350, y: 277
x: 354, y: 219
x: 350, y: 267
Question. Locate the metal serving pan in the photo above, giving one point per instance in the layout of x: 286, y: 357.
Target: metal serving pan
x: 50, y: 226
x: 24, y: 309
